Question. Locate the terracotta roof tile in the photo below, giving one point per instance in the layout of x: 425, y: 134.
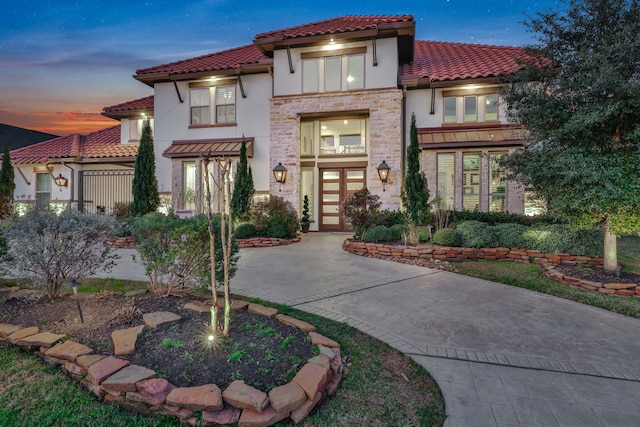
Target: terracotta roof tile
x: 145, y: 103
x: 104, y: 143
x: 224, y: 60
x: 443, y: 61
x: 341, y: 24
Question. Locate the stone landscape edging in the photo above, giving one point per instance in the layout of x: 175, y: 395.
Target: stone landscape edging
x: 546, y: 260
x: 135, y: 388
x: 265, y: 242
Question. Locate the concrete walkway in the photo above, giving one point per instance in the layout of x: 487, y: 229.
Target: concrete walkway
x: 503, y: 356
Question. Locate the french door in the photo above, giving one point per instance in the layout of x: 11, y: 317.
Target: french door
x: 336, y: 184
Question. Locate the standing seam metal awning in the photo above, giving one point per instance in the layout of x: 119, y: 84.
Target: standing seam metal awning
x: 214, y: 147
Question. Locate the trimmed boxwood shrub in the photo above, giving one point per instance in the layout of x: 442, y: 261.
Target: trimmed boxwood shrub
x: 447, y: 237
x: 560, y: 238
x: 397, y: 231
x: 476, y: 234
x: 388, y: 218
x: 493, y: 218
x: 379, y: 233
x: 244, y: 230
x: 511, y: 235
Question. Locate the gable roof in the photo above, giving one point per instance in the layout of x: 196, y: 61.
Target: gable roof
x: 243, y: 59
x: 101, y: 144
x: 442, y: 62
x: 129, y: 108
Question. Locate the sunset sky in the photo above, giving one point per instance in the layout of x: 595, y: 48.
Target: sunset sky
x: 62, y: 61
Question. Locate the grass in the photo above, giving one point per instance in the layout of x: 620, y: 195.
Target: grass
x: 374, y: 393
x: 528, y: 276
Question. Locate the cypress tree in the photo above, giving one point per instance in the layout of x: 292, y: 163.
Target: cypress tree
x: 7, y: 185
x: 415, y: 195
x: 145, y: 186
x: 243, y: 188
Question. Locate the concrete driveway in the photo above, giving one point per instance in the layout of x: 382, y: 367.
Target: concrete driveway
x: 503, y: 356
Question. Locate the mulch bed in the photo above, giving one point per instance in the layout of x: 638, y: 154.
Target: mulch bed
x: 597, y: 274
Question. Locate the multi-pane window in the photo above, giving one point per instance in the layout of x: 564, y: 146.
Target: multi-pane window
x: 446, y: 182
x: 450, y: 110
x: 471, y: 181
x: 221, y: 98
x: 347, y: 136
x: 189, y: 185
x: 497, y: 183
x: 491, y: 107
x: 43, y: 189
x: 333, y: 73
x: 470, y: 108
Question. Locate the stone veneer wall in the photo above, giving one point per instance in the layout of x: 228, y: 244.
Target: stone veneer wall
x: 385, y: 137
x: 136, y: 388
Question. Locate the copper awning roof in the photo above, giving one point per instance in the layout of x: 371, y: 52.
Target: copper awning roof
x: 485, y: 136
x: 214, y: 147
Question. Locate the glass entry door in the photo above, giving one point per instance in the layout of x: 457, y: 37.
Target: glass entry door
x: 336, y: 185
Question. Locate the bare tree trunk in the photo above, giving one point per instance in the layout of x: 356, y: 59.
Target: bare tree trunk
x: 212, y: 249
x: 610, y: 249
x: 226, y: 234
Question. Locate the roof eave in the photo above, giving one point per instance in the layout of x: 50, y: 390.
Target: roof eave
x: 125, y: 114
x: 243, y: 69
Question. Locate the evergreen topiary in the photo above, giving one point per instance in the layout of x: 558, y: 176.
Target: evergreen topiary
x: 243, y: 188
x: 145, y: 186
x: 415, y: 195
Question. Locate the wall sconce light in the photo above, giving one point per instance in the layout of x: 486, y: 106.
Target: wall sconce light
x: 383, y: 173
x: 61, y: 181
x: 280, y: 174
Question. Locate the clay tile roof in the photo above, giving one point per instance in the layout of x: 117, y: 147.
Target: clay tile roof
x: 215, y: 147
x: 224, y: 60
x: 341, y: 24
x: 443, y: 61
x: 104, y: 143
x: 145, y: 103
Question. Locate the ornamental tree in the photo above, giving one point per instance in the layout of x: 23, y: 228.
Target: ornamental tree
x: 579, y: 97
x: 243, y: 187
x: 415, y: 195
x: 7, y: 185
x: 145, y: 186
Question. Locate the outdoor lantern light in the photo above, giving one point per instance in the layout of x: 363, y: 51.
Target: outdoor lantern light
x: 383, y: 173
x: 61, y: 181
x: 73, y: 284
x: 280, y: 174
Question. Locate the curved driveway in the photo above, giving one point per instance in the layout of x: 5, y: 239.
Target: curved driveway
x: 503, y: 356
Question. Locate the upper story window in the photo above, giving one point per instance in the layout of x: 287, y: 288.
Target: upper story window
x: 335, y: 137
x: 462, y: 108
x: 213, y: 105
x: 333, y: 71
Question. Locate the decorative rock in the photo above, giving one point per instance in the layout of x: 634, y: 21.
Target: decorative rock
x: 321, y: 360
x: 101, y: 370
x: 74, y: 369
x: 317, y: 339
x: 326, y: 351
x: 235, y: 304
x: 43, y: 339
x: 303, y: 326
x: 286, y: 398
x: 262, y: 310
x: 93, y: 388
x: 265, y: 418
x: 124, y: 340
x: 305, y: 409
x: 160, y: 318
x: 312, y: 378
x: 6, y: 329
x: 22, y: 333
x: 224, y: 417
x: 334, y: 384
x: 198, y: 307
x: 203, y: 398
x: 617, y: 286
x: 68, y: 350
x: 243, y: 396
x: 88, y: 360
x: 155, y: 390
x: 126, y: 378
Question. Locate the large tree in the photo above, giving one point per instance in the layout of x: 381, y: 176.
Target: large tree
x: 579, y: 97
x: 145, y: 186
x: 7, y: 185
x: 415, y: 195
x: 243, y: 187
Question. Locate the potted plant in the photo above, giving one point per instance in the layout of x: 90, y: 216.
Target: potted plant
x: 304, y: 221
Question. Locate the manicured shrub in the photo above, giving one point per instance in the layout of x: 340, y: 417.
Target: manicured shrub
x: 511, y: 235
x: 447, y: 237
x: 388, y: 218
x: 493, y: 218
x: 397, y: 231
x: 379, y: 233
x: 476, y: 234
x: 244, y: 230
x: 274, y: 217
x: 560, y: 238
x: 360, y: 209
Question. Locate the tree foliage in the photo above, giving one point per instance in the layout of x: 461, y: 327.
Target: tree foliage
x: 7, y: 185
x: 360, y: 209
x: 145, y: 186
x: 243, y: 187
x: 51, y: 249
x: 579, y: 97
x: 415, y: 195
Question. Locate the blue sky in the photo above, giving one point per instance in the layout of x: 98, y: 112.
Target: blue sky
x: 62, y: 61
